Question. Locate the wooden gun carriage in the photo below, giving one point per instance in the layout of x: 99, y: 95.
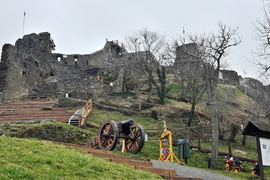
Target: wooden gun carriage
x: 110, y: 132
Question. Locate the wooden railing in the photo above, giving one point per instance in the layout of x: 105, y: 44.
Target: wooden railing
x: 86, y: 111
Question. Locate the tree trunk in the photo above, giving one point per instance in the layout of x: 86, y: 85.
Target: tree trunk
x: 215, y: 133
x: 191, y: 116
x: 149, y: 86
x: 214, y: 120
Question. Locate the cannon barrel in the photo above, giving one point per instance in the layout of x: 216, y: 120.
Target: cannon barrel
x: 125, y: 126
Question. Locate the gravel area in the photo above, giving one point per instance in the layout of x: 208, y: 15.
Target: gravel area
x: 191, y: 172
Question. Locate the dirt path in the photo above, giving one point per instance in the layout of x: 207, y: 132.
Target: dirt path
x: 190, y: 172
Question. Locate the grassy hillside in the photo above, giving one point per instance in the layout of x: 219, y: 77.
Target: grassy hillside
x: 33, y: 159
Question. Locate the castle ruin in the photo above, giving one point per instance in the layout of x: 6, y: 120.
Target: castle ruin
x: 30, y: 68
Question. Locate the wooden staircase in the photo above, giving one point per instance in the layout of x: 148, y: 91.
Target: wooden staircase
x: 121, y: 159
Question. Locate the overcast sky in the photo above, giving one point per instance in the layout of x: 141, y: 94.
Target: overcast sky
x: 81, y: 26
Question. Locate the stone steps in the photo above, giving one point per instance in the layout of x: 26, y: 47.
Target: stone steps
x: 74, y: 119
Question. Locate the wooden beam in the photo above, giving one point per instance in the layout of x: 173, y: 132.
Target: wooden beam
x: 259, y: 156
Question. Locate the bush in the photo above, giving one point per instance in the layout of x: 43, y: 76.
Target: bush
x: 154, y: 115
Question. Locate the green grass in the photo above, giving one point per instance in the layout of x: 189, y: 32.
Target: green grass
x: 175, y: 88
x: 55, y: 131
x: 32, y: 159
x: 239, y: 93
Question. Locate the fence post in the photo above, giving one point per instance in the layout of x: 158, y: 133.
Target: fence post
x: 186, y: 133
x: 202, y: 130
x: 117, y: 102
x: 140, y: 105
x: 230, y: 149
x: 59, y: 114
x: 200, y: 143
x: 160, y: 107
x: 77, y: 93
x: 97, y: 96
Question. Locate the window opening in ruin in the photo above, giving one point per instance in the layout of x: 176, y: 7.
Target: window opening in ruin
x: 64, y: 56
x: 23, y: 73
x: 51, y: 74
x: 220, y: 75
x: 75, y: 60
x: 24, y: 65
x: 59, y: 58
x: 87, y: 62
x: 36, y: 64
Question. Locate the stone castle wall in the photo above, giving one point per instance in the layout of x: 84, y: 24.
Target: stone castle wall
x: 24, y: 66
x: 29, y: 68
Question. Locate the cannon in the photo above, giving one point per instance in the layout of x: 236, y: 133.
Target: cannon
x: 110, y: 132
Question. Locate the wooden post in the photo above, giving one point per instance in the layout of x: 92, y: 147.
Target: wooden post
x: 187, y: 133
x: 202, y: 130
x: 140, y: 108
x: 198, y: 116
x: 59, y: 114
x: 259, y: 156
x: 80, y: 120
x: 200, y: 143
x: 77, y: 93
x: 117, y: 102
x: 83, y: 111
x: 230, y: 148
x: 160, y: 107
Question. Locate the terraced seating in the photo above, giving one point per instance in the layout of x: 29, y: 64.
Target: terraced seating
x: 32, y: 110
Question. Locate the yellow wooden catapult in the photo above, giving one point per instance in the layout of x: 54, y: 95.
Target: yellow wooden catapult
x: 164, y: 135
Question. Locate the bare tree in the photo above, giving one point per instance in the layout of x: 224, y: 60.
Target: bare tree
x: 146, y: 47
x: 261, y: 55
x: 212, y: 50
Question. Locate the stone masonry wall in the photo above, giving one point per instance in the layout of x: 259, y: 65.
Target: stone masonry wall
x: 229, y: 77
x: 14, y: 82
x: 24, y: 66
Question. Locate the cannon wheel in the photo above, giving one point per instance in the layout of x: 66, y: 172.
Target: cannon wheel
x: 108, y: 135
x: 135, y: 141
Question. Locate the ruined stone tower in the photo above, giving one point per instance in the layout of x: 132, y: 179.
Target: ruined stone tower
x: 24, y: 65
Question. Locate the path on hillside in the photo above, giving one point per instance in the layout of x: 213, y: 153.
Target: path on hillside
x: 191, y: 172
